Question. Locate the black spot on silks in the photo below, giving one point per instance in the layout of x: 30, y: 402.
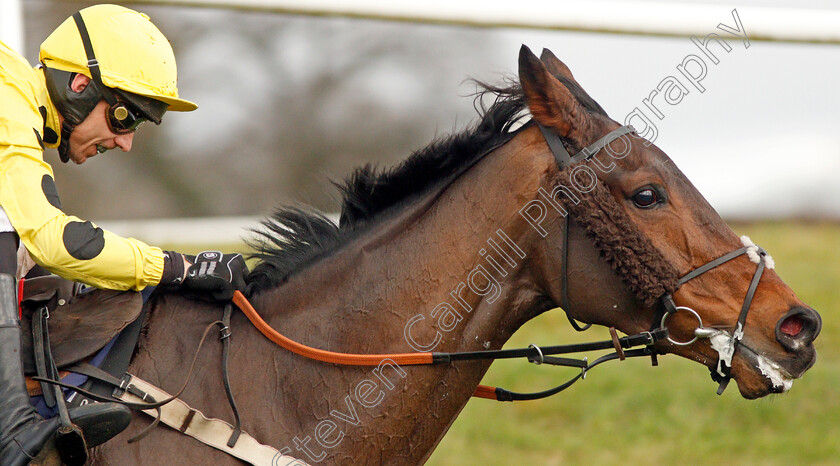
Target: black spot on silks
x: 50, y: 191
x: 40, y: 141
x: 83, y: 240
x: 50, y: 136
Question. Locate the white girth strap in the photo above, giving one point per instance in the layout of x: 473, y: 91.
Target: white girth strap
x: 213, y: 432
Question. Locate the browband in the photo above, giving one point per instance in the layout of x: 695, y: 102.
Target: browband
x: 562, y: 155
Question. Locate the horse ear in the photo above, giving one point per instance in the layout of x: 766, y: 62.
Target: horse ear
x: 564, y: 74
x: 550, y: 102
x: 555, y: 66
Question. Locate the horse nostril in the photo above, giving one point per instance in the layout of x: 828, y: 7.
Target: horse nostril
x: 799, y: 327
x: 792, y: 325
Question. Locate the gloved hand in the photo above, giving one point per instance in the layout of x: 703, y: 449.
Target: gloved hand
x: 216, y: 274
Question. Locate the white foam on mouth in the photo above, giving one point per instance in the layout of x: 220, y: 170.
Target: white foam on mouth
x: 722, y: 342
x: 772, y: 371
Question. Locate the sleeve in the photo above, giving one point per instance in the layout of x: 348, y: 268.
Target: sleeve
x: 65, y: 245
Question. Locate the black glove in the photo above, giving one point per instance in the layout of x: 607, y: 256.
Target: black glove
x: 216, y: 274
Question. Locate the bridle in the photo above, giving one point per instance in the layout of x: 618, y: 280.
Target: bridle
x: 722, y: 372
x: 544, y: 355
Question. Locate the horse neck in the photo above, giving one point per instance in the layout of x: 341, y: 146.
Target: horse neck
x: 454, y: 261
x: 429, y: 264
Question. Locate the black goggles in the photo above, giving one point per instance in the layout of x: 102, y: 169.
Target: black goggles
x: 122, y: 119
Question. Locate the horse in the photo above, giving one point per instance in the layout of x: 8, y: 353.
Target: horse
x: 453, y: 250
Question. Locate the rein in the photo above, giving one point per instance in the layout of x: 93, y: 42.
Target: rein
x: 537, y: 355
x: 534, y: 354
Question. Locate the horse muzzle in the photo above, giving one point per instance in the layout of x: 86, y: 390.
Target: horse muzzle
x: 796, y: 332
x: 798, y: 329
x: 760, y: 370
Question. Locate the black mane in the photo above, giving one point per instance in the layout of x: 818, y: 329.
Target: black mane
x: 293, y: 238
x: 369, y: 191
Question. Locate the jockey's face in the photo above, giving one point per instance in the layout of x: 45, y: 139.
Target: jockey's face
x: 93, y: 136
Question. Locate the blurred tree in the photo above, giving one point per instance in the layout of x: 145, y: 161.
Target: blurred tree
x: 285, y: 104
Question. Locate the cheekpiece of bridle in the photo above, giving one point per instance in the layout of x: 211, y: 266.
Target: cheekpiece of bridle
x: 667, y: 307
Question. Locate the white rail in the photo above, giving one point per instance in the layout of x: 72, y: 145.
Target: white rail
x: 189, y: 231
x: 180, y: 231
x: 645, y: 18
x: 11, y: 24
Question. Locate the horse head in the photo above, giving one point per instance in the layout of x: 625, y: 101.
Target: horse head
x: 632, y: 199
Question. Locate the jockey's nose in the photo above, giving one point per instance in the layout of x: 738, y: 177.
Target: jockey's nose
x: 124, y: 141
x: 798, y: 328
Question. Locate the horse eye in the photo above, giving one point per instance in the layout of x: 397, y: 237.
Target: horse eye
x: 645, y: 198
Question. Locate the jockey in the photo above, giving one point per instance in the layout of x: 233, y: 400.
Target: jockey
x: 102, y: 73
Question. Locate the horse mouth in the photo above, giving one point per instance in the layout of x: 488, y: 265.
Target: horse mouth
x: 755, y: 371
x: 778, y: 378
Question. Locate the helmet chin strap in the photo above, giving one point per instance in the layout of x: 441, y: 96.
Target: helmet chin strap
x: 64, y: 145
x: 88, y: 98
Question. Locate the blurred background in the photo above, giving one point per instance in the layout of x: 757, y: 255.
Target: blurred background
x: 289, y: 103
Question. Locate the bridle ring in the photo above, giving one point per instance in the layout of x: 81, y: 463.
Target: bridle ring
x: 539, y: 360
x: 682, y: 308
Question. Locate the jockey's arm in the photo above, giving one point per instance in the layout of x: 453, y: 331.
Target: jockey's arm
x: 63, y: 244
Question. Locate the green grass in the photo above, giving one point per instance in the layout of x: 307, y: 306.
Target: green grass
x: 630, y: 412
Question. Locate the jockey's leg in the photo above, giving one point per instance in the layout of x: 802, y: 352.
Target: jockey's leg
x: 23, y: 433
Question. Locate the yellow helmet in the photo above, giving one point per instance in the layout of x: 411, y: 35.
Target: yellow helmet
x: 133, y: 55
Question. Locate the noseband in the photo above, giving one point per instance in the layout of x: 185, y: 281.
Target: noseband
x: 726, y: 350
